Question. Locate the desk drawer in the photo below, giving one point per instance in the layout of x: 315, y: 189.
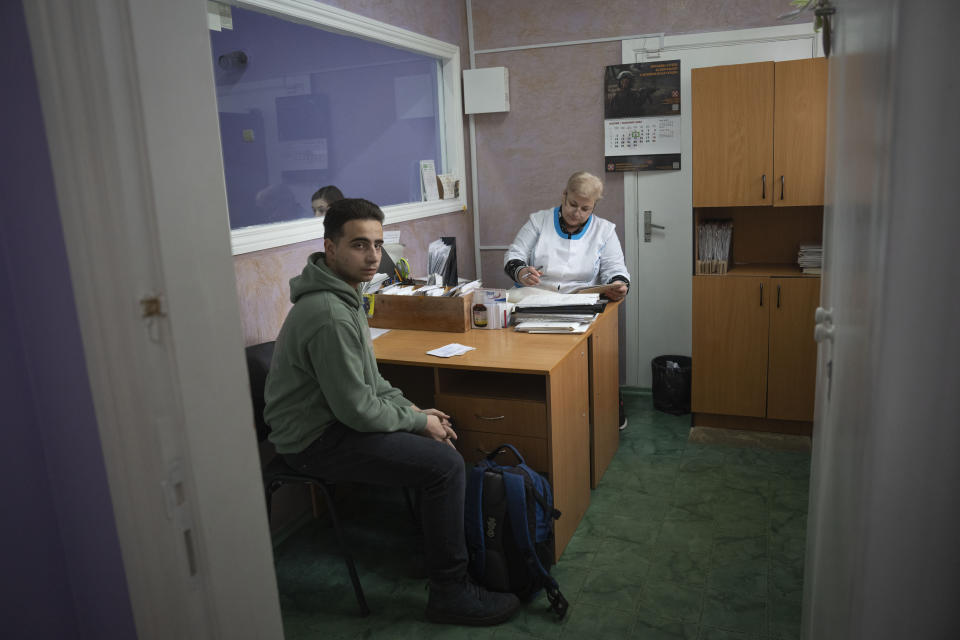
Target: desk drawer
x: 495, y: 415
x: 534, y: 450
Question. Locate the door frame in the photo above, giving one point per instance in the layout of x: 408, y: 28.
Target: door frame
x: 131, y: 125
x: 680, y: 221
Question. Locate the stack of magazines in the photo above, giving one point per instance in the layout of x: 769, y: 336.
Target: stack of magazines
x: 547, y: 312
x: 810, y: 258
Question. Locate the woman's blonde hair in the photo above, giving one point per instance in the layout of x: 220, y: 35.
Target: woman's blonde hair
x: 585, y: 184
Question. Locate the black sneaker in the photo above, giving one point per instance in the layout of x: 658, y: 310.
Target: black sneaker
x: 466, y: 602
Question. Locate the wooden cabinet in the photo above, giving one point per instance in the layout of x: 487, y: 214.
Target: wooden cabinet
x: 759, y: 132
x: 753, y: 348
x: 799, y: 132
x: 730, y: 328
x: 792, y: 374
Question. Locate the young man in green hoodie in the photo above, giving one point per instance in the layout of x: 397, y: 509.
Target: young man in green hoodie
x: 332, y: 413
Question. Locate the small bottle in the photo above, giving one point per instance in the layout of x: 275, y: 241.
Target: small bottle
x: 480, y: 315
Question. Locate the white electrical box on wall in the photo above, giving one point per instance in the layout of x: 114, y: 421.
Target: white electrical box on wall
x: 486, y: 90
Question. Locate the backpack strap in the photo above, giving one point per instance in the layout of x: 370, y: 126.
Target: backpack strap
x: 543, y: 499
x: 517, y: 512
x: 506, y: 447
x: 473, y: 521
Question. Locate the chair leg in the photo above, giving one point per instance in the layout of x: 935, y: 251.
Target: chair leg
x: 351, y: 567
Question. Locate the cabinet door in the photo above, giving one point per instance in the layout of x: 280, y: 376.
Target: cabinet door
x: 733, y: 135
x: 800, y: 130
x: 793, y: 352
x: 730, y: 325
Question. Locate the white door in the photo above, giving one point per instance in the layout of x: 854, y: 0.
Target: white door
x: 883, y: 524
x: 131, y: 122
x: 659, y: 308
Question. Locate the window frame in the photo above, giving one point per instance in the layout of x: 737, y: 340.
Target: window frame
x: 312, y: 13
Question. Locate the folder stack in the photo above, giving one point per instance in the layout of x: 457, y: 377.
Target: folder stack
x: 810, y: 258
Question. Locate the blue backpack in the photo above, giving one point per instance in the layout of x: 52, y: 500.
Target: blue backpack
x: 508, y: 517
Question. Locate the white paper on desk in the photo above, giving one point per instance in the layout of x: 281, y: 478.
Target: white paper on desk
x: 376, y: 333
x: 452, y: 349
x: 581, y: 329
x: 532, y: 297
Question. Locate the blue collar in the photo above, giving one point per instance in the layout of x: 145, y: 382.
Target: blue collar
x: 575, y: 236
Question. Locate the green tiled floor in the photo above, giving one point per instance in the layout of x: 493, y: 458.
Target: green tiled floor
x: 681, y: 541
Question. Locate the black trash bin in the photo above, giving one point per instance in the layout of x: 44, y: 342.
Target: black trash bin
x: 671, y: 384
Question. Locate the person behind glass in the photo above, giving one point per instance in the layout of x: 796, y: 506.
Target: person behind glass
x: 568, y: 247
x: 323, y: 198
x: 332, y: 414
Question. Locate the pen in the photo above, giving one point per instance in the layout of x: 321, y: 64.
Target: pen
x: 528, y: 274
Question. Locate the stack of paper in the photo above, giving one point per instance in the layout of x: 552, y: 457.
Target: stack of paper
x: 714, y: 240
x: 810, y: 258
x: 552, y: 327
x: 375, y: 284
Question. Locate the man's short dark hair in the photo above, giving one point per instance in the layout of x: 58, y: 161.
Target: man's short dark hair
x: 345, y: 210
x: 328, y: 194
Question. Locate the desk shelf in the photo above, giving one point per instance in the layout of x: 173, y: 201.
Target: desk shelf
x: 486, y: 384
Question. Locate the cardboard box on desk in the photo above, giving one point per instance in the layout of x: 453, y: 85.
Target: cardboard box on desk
x: 423, y: 313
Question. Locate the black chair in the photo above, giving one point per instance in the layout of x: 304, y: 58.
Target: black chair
x: 278, y: 473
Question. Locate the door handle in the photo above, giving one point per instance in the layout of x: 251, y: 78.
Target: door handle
x: 761, y: 294
x: 781, y: 187
x: 648, y: 226
x: 778, y: 296
x: 823, y: 332
x: 763, y: 187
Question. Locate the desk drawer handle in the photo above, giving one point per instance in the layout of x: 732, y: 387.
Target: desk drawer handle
x: 480, y: 417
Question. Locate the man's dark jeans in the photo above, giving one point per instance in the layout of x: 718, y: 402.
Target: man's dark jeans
x: 401, y: 459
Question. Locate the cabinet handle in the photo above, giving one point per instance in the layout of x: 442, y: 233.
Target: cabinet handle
x: 761, y: 294
x: 778, y: 296
x: 763, y: 187
x: 480, y: 417
x: 781, y: 187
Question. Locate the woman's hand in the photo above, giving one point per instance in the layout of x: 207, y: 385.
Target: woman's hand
x: 529, y: 276
x: 617, y: 292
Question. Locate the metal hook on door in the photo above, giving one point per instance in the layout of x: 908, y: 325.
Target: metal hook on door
x: 648, y: 225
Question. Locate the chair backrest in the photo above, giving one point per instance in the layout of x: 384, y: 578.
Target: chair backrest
x: 258, y: 365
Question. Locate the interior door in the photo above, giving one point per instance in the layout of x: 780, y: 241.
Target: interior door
x: 659, y: 305
x: 792, y: 370
x: 730, y: 328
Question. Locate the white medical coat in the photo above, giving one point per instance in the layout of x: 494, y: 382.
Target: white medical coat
x: 591, y: 256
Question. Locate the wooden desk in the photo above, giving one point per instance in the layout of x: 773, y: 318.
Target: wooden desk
x: 552, y: 396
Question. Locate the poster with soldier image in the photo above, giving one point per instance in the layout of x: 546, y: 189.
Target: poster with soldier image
x: 642, y: 116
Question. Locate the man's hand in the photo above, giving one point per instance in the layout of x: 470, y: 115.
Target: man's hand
x: 617, y: 292
x: 434, y: 412
x: 439, y: 428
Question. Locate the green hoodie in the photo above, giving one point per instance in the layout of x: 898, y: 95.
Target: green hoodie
x: 324, y: 370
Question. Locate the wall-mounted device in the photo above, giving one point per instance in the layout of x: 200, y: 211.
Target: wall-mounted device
x: 486, y: 90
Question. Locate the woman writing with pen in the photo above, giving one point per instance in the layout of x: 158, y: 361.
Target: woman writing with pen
x: 571, y: 247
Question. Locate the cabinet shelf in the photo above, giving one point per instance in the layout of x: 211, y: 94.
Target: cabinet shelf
x: 761, y: 269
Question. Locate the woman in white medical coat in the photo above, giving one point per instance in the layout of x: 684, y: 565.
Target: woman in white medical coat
x: 567, y: 247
